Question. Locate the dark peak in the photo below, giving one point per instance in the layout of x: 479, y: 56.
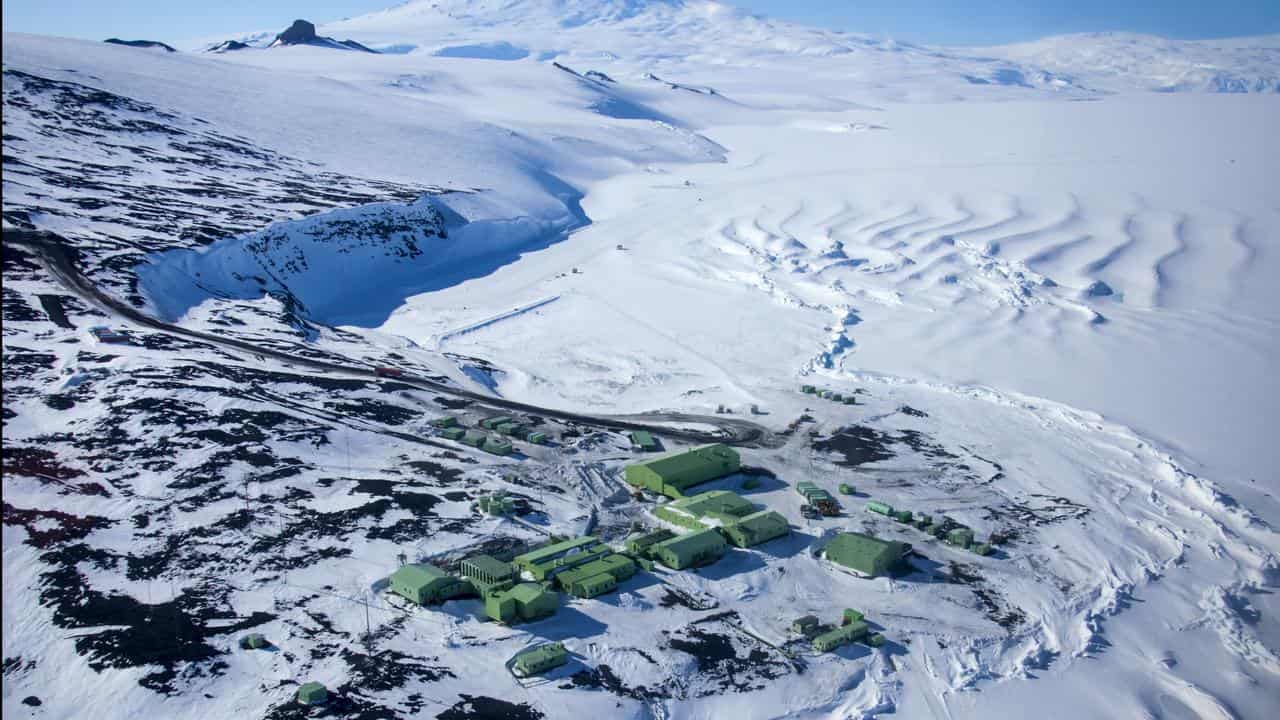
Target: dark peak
x: 299, y: 33
x: 140, y: 44
x: 228, y: 45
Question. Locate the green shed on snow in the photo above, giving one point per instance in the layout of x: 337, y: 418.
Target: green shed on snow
x: 864, y: 554
x: 673, y: 473
x: 447, y: 421
x: 496, y: 446
x: 960, y: 537
x: 536, y: 661
x: 453, y: 433
x: 832, y: 639
x: 701, y: 547
x: 423, y: 584
x: 312, y: 693
x: 254, y: 641
x: 536, y: 437
x: 474, y: 438
x: 493, y: 422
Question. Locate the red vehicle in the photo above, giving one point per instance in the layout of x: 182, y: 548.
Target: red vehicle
x: 388, y: 372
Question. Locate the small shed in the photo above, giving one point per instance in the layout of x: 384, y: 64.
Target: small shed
x: 312, y: 693
x: 447, y: 421
x: 423, y: 584
x: 960, y: 537
x: 701, y: 547
x: 832, y: 639
x: 540, y: 659
x: 494, y: 422
x: 453, y: 433
x: 474, y: 438
x: 537, y: 437
x: 254, y: 641
x: 496, y: 446
x: 806, y: 625
x: 847, y: 489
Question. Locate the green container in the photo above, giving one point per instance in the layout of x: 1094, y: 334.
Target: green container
x: 847, y: 489
x: 902, y: 516
x: 876, y: 506
x: 876, y: 640
x: 312, y: 693
x: 981, y: 548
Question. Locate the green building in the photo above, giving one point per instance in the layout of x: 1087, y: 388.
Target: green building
x: 453, y: 433
x: 538, y: 660
x: 547, y: 561
x: 866, y: 555
x: 423, y: 584
x: 640, y: 545
x: 312, y: 693
x: 496, y: 446
x: 643, y: 441
x: 254, y: 641
x: 756, y: 528
x: 832, y: 639
x: 487, y: 573
x: 673, y: 473
x: 960, y: 537
x: 493, y: 422
x: 808, y: 389
x: 447, y: 421
x: 596, y: 577
x: 719, y: 506
x: 474, y: 438
x: 522, y: 603
x: 701, y: 547
x: 807, y: 626
x: 537, y: 437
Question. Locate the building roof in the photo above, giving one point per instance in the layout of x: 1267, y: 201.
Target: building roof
x: 540, y: 654
x: 527, y: 592
x: 543, y: 553
x: 852, y: 631
x: 863, y: 552
x: 419, y: 575
x: 690, y: 541
x: 715, y: 502
x: 761, y: 526
x: 490, y: 565
x: 676, y: 463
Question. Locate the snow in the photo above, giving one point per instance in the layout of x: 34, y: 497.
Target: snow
x: 742, y: 205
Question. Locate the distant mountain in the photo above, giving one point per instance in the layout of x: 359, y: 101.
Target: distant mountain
x: 140, y: 44
x: 1234, y: 65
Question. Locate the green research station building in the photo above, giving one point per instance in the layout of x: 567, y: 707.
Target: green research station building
x: 673, y: 473
x: 423, y: 584
x: 866, y: 555
x: 701, y: 547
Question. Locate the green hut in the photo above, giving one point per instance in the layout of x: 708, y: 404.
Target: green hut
x: 538, y: 660
x: 312, y: 693
x: 701, y: 547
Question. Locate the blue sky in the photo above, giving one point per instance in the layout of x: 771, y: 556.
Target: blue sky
x: 927, y: 21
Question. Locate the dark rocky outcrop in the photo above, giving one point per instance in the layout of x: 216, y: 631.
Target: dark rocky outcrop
x: 140, y: 44
x: 302, y: 32
x: 227, y: 46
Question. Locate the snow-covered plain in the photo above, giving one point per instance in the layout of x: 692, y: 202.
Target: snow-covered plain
x: 1047, y: 270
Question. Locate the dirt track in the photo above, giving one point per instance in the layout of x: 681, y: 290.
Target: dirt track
x: 54, y: 253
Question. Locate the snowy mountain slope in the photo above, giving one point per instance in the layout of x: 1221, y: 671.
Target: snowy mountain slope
x: 1056, y: 318
x: 1155, y: 63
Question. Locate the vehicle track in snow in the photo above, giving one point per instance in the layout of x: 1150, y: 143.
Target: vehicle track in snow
x: 55, y: 253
